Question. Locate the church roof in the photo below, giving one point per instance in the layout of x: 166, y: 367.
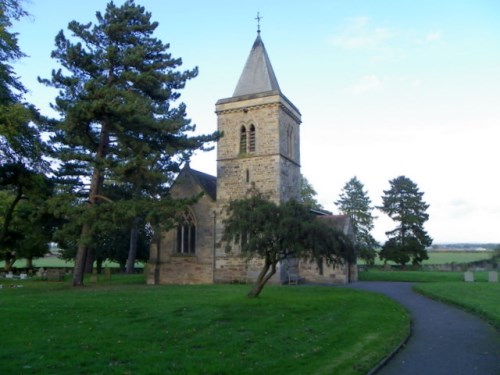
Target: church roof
x: 341, y: 222
x: 207, y: 182
x: 258, y: 75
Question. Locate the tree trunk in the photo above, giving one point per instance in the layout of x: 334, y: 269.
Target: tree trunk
x: 8, y: 215
x: 158, y: 252
x: 89, y: 260
x: 80, y: 258
x: 265, y: 274
x: 132, y: 252
x: 95, y: 187
x: 98, y: 265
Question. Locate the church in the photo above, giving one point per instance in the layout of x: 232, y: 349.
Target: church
x: 259, y: 149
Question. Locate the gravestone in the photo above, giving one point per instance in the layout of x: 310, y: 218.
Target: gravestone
x: 107, y: 273
x: 468, y: 276
x: 493, y: 277
x: 93, y: 276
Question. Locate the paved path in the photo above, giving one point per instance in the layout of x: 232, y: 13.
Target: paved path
x: 445, y: 340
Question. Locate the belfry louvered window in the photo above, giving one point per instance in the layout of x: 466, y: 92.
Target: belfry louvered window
x: 186, y: 234
x: 251, y: 146
x: 243, y: 140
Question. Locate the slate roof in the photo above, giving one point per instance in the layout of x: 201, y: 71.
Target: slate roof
x: 207, y: 182
x: 341, y: 222
x: 258, y: 74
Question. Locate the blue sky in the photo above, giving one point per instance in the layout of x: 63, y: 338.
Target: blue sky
x: 385, y: 88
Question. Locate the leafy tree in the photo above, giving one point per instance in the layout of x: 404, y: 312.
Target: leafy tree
x: 404, y: 204
x: 118, y: 123
x: 26, y: 226
x: 354, y: 201
x: 272, y: 232
x: 308, y: 194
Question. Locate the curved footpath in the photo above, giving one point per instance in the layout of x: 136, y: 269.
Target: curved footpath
x: 444, y: 339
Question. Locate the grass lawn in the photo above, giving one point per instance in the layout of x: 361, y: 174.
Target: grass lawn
x: 480, y: 298
x: 123, y: 326
x: 416, y: 276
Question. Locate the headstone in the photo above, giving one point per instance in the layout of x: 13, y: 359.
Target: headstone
x: 93, y: 276
x: 107, y: 273
x: 468, y: 276
x: 493, y: 277
x: 23, y: 276
x: 9, y: 276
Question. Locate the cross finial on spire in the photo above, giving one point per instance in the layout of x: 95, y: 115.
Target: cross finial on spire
x: 258, y: 18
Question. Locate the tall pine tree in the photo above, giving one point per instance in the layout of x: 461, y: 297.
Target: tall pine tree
x: 116, y: 94
x: 404, y: 204
x: 354, y: 201
x: 22, y: 165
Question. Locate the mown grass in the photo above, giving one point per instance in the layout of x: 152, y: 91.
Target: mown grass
x: 375, y: 274
x: 124, y: 326
x: 480, y: 298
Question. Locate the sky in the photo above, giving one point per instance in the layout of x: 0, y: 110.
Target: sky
x: 385, y: 88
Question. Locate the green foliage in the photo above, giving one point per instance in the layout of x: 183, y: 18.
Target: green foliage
x: 120, y: 327
x: 26, y: 225
x: 272, y: 232
x: 308, y: 194
x: 118, y: 123
x: 354, y: 201
x: 404, y: 204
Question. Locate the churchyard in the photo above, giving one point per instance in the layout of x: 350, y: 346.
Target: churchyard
x: 122, y: 326
x: 117, y: 324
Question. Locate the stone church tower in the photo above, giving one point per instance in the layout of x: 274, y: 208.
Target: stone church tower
x: 261, y: 144
x: 259, y: 150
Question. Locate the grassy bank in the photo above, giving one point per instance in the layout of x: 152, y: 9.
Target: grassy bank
x: 375, y: 274
x: 124, y: 326
x: 480, y: 298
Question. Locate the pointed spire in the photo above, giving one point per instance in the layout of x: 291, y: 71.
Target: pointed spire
x: 258, y: 75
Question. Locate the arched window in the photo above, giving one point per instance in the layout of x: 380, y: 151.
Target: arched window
x: 186, y: 234
x: 251, y: 147
x: 243, y: 140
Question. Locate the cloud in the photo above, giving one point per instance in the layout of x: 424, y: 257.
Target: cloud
x: 433, y: 36
x: 365, y: 84
x: 359, y: 33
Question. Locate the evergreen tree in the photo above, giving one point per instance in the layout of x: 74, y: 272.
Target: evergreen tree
x: 404, y: 204
x: 354, y: 201
x: 308, y: 194
x: 116, y: 98
x: 22, y: 165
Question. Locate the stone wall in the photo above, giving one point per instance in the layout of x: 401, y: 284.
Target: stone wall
x: 173, y: 268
